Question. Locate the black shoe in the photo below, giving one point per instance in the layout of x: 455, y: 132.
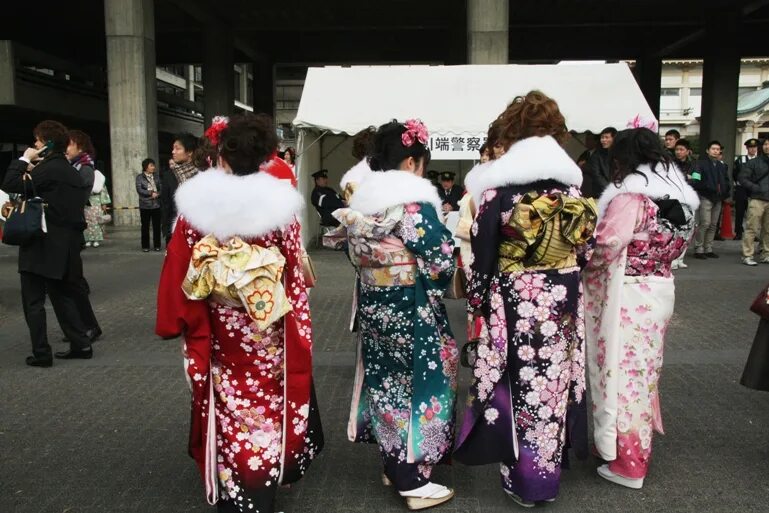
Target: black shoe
x: 700, y: 256
x: 711, y: 255
x: 146, y: 250
x: 82, y: 354
x: 93, y: 334
x: 738, y: 237
x: 157, y: 249
x: 34, y: 361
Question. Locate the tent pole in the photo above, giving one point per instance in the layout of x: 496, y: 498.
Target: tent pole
x: 312, y: 143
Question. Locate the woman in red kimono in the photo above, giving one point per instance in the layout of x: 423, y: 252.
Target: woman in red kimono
x: 232, y: 283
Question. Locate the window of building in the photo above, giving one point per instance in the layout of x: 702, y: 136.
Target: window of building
x: 237, y: 84
x: 670, y: 91
x: 695, y: 91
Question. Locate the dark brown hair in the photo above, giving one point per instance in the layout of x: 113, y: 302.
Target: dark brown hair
x: 361, y: 143
x: 83, y: 141
x: 532, y: 115
x: 53, y: 131
x: 205, y: 155
x: 492, y: 137
x: 247, y: 142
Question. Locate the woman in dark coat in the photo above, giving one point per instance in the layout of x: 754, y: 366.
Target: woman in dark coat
x: 149, y: 189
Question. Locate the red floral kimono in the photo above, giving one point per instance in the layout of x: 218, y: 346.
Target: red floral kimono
x: 233, y: 285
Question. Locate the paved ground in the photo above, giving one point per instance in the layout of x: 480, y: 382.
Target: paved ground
x: 109, y: 434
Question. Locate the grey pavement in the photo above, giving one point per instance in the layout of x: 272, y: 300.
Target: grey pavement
x: 109, y: 434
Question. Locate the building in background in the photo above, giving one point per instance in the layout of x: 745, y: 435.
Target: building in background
x: 681, y: 98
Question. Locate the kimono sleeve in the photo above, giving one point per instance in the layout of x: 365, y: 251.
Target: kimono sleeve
x: 615, y: 229
x: 426, y: 236
x: 176, y: 314
x: 485, y: 241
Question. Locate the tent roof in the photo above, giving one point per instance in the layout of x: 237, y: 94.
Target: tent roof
x: 465, y: 99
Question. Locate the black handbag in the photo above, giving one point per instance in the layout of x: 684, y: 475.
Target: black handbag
x: 671, y: 210
x: 26, y: 222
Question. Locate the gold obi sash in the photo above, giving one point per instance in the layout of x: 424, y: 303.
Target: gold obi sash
x: 238, y: 274
x: 389, y: 264
x: 543, y: 231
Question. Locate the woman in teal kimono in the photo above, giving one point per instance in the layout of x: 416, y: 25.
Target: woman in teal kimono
x: 405, y: 385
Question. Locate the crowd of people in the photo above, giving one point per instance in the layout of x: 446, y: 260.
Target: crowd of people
x: 745, y: 189
x: 565, y: 268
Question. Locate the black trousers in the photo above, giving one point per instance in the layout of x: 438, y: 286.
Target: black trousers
x: 740, y: 207
x: 147, y: 215
x: 80, y: 292
x: 33, y: 291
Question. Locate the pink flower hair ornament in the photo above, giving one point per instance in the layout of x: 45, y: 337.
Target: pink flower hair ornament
x: 214, y: 132
x: 415, y: 131
x: 643, y: 122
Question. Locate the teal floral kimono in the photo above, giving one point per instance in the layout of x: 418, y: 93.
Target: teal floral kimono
x: 405, y: 385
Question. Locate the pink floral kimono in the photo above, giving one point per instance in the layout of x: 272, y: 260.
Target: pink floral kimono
x: 629, y: 297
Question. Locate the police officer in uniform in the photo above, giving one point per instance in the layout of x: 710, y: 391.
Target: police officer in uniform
x: 740, y: 194
x: 450, y: 194
x: 325, y: 199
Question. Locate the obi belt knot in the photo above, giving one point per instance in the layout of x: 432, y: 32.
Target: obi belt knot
x: 238, y: 274
x: 543, y: 231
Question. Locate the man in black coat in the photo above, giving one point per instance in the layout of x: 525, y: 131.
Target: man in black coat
x: 449, y: 193
x: 754, y: 179
x: 598, y: 167
x: 180, y: 169
x: 325, y: 199
x: 741, y: 194
x: 710, y: 178
x: 52, y: 262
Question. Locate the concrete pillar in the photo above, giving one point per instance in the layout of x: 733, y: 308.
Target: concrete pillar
x: 648, y: 74
x: 189, y: 77
x: 264, y: 87
x: 7, y: 73
x: 130, y: 30
x: 218, y: 72
x: 488, y: 24
x: 720, y: 82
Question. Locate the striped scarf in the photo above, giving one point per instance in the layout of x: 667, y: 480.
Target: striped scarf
x: 184, y: 172
x: 81, y: 160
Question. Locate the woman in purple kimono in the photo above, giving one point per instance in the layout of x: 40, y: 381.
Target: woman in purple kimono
x: 526, y: 402
x: 646, y: 222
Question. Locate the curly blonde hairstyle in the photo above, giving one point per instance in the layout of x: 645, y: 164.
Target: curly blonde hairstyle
x: 534, y: 114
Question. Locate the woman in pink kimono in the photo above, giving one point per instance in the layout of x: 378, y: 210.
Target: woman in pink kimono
x: 645, y: 222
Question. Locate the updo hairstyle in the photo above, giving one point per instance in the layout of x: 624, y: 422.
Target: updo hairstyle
x: 247, y: 141
x: 388, y: 150
x: 205, y: 155
x: 532, y: 115
x: 361, y: 143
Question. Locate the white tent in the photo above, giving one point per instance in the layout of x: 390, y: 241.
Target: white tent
x: 457, y: 103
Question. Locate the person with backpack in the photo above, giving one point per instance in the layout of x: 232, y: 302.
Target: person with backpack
x: 754, y: 178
